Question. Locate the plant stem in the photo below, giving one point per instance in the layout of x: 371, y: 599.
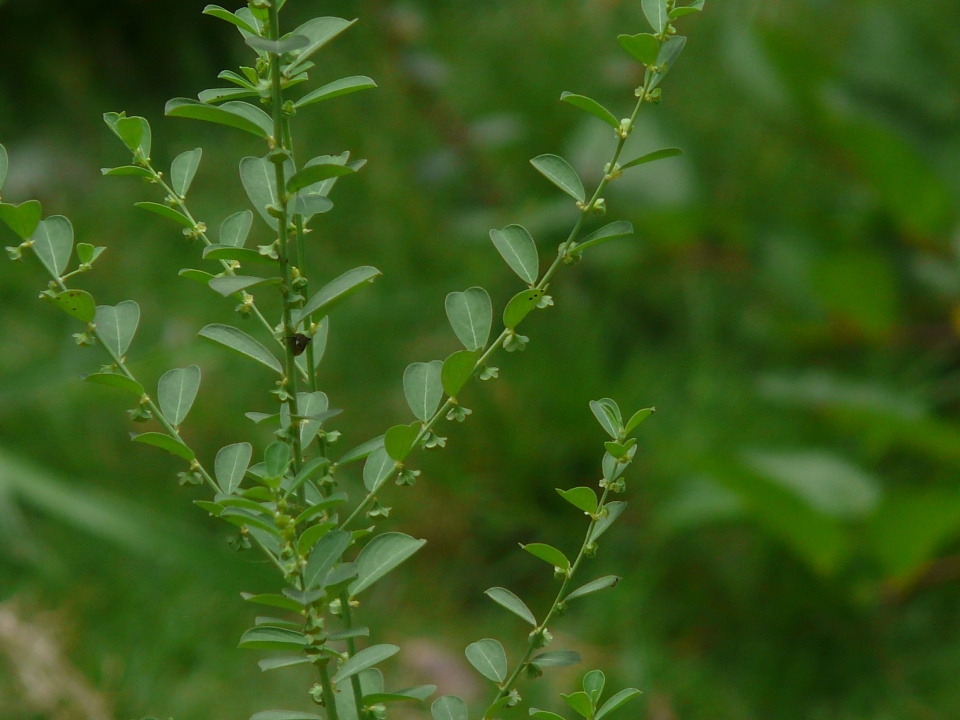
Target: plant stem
x: 329, y: 699
x: 542, y: 285
x: 287, y: 285
x: 351, y: 651
x: 508, y: 685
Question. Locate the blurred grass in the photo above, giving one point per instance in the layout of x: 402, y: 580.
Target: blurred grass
x: 789, y: 306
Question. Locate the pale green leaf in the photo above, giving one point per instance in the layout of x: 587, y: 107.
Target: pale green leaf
x: 384, y: 553
x: 339, y: 289
x: 489, y: 658
x: 517, y: 247
x: 337, y: 88
x: 176, y: 392
x: 116, y: 325
x: 511, y: 602
x: 366, y: 658
x: 53, y: 244
x: 423, y: 388
x: 591, y: 106
x: 183, y: 169
x: 231, y: 465
x: 471, y: 316
x: 239, y: 341
x: 558, y: 171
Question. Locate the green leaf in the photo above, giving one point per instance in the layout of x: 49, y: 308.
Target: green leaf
x: 398, y: 440
x: 614, y: 510
x: 238, y: 340
x: 423, y: 390
x: 235, y: 229
x: 638, y: 417
x: 458, y: 369
x: 694, y: 7
x: 517, y: 247
x: 231, y: 465
x: 212, y: 508
x: 324, y: 556
x: 117, y: 325
x: 197, y: 276
x: 183, y: 169
x: 471, y: 316
x: 167, y: 212
x: 319, y: 32
x: 320, y: 506
x: 23, y: 218
x: 556, y: 658
x: 76, y: 303
x: 276, y: 458
x: 593, y: 683
x: 378, y: 468
x: 4, y: 165
x: 607, y: 414
x: 165, y: 442
x: 558, y: 171
x: 218, y: 12
x: 489, y: 658
x: 229, y: 252
x: 344, y: 86
x: 583, y: 498
x: 271, y: 638
x: 421, y: 693
x: 520, y: 305
x: 349, y: 632
x: 228, y: 285
x: 591, y: 106
x: 116, y: 380
x: 88, y: 254
x: 312, y: 535
x: 366, y: 658
x: 53, y: 244
x: 643, y: 47
x: 317, y: 173
x: 545, y: 714
x: 284, y: 714
x: 616, y: 702
x: 135, y: 134
x: 338, y: 290
x: 288, y: 44
x: 669, y: 53
x: 619, y: 450
x: 277, y: 663
x: 384, y: 553
x: 312, y: 405
x: 652, y: 157
x: 607, y: 581
x: 612, y: 469
x: 549, y: 554
x: 449, y: 707
x: 216, y: 95
x: 580, y: 702
x: 236, y: 114
x: 176, y: 392
x: 614, y: 230
x: 511, y: 602
x: 244, y: 518
x: 279, y: 601
x: 126, y: 171
x: 656, y: 14
x: 361, y: 451
x: 259, y: 177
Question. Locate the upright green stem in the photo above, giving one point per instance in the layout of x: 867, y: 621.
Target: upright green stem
x: 282, y: 251
x: 329, y: 699
x: 531, y: 643
x: 542, y: 285
x: 351, y: 651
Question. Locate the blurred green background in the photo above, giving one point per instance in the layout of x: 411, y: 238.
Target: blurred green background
x: 791, y: 304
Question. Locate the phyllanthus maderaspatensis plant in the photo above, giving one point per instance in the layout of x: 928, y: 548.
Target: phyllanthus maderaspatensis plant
x: 289, y: 504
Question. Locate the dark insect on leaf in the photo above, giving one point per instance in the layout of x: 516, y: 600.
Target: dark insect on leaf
x: 299, y: 343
